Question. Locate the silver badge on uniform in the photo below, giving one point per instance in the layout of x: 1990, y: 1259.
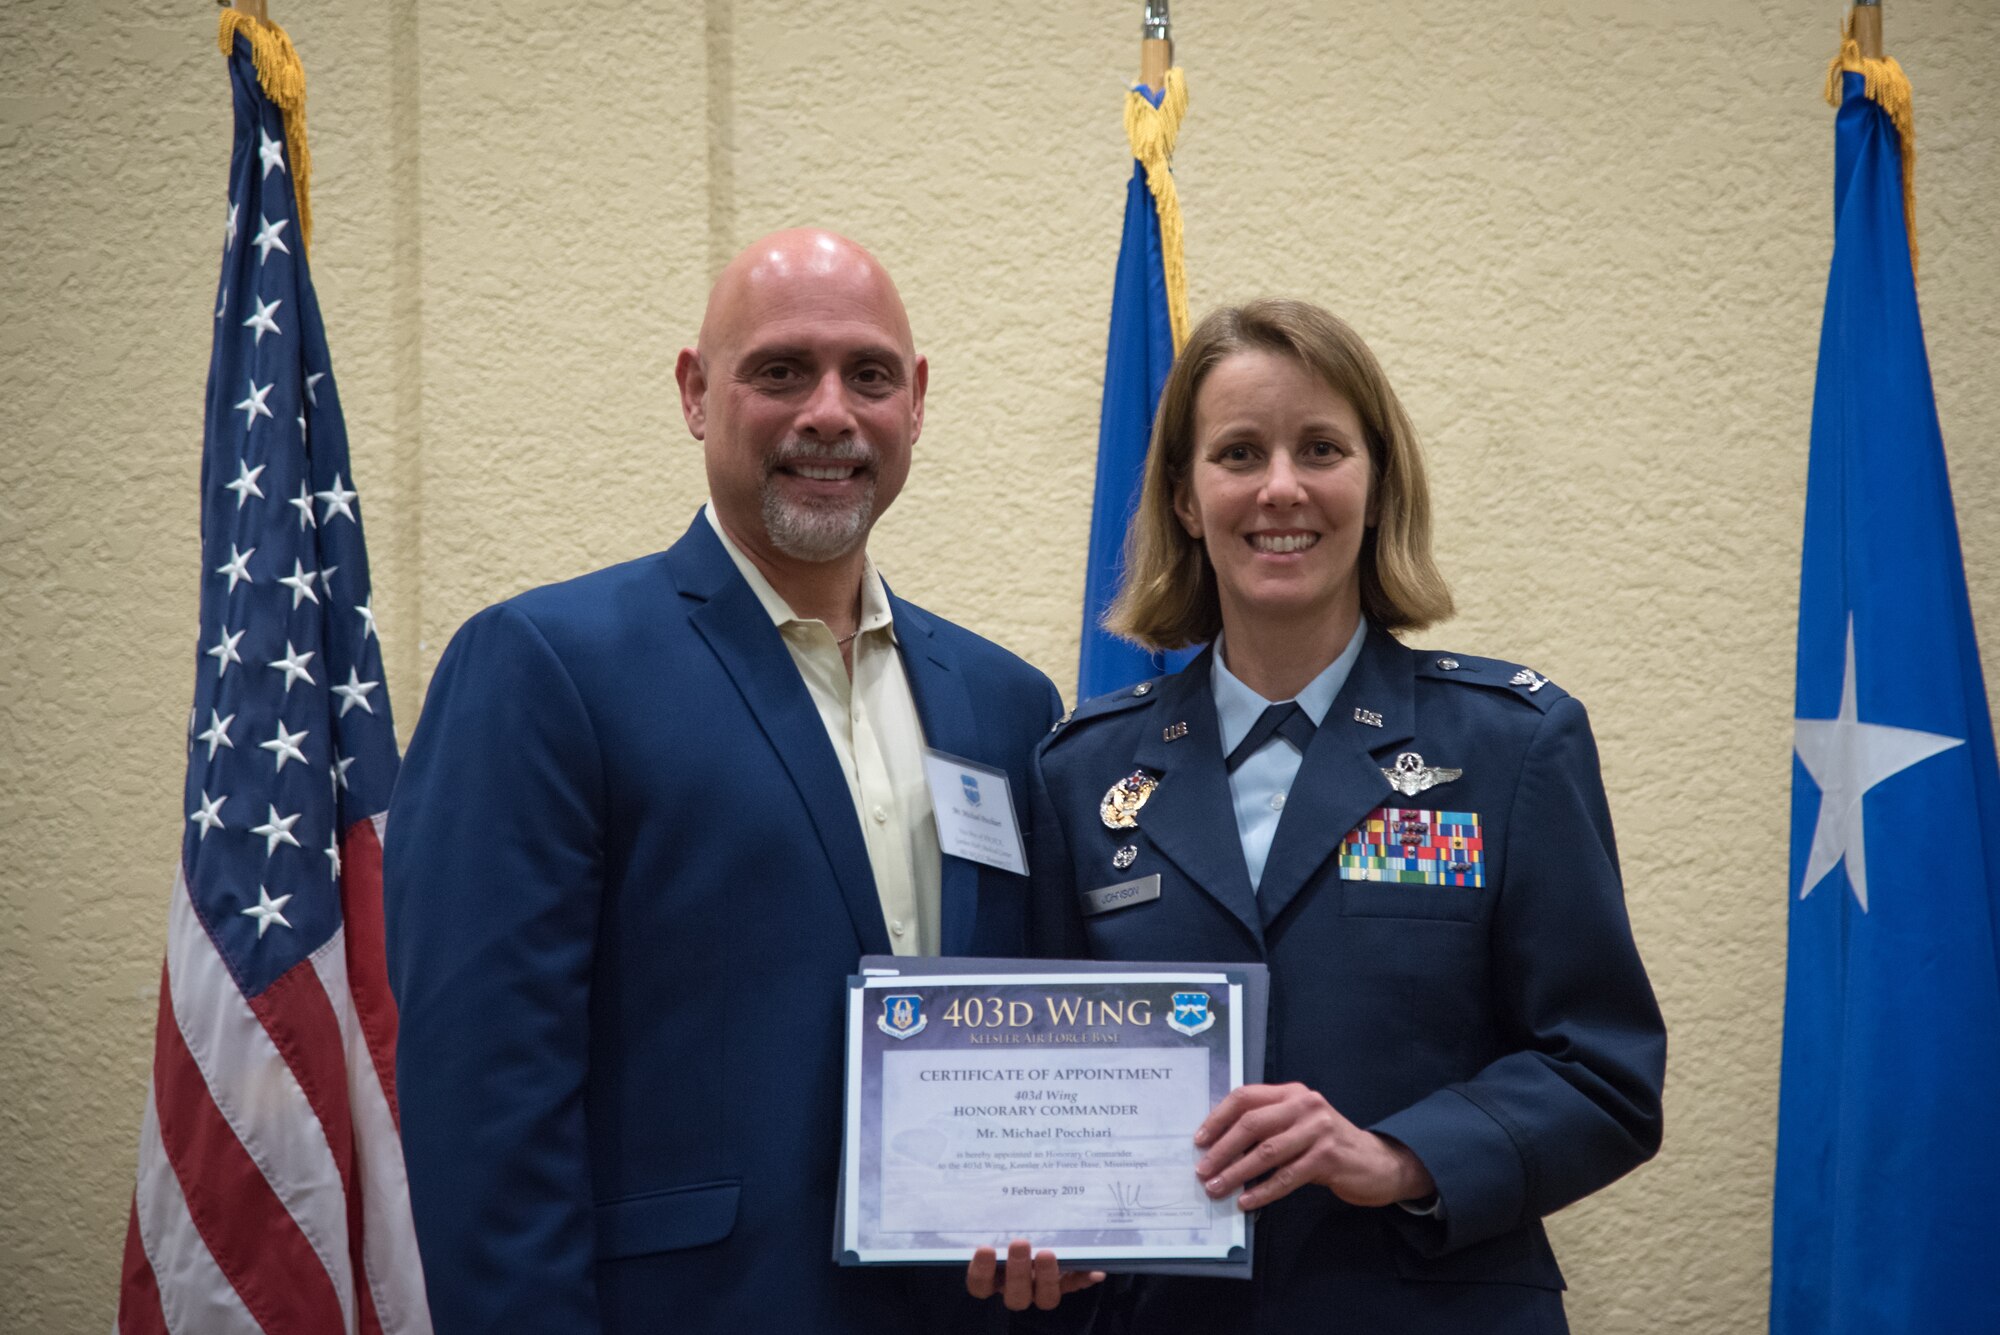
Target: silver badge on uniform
x: 1410, y: 775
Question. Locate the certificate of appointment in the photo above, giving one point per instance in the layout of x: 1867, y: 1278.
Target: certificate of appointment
x: 1037, y: 1101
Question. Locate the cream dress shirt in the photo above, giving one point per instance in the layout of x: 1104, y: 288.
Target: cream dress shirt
x: 871, y: 719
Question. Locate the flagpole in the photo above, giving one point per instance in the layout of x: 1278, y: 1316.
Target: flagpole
x: 1868, y: 28
x: 254, y: 8
x: 1156, y: 45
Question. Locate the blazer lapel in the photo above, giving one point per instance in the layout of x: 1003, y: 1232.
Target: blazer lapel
x: 751, y: 651
x: 1340, y: 780
x: 944, y: 707
x: 1190, y: 818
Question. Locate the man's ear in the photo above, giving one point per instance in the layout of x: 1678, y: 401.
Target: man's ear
x: 692, y: 377
x: 920, y: 379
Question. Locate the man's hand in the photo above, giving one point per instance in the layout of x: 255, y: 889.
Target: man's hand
x: 1039, y: 1280
x: 1290, y: 1136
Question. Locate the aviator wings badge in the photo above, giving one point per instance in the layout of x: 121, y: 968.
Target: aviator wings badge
x: 1410, y: 775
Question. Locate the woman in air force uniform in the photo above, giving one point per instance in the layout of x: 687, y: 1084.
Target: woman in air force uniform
x: 1462, y: 1037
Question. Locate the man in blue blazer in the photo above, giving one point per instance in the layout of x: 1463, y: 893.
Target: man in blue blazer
x: 649, y: 821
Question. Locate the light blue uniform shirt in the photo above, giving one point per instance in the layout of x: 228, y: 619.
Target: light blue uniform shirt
x: 1260, y: 784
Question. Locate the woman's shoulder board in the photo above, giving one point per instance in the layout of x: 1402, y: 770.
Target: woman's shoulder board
x: 1111, y: 702
x: 1492, y: 673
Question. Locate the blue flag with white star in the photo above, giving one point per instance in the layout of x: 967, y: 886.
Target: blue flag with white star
x: 1137, y: 357
x: 1887, y: 1211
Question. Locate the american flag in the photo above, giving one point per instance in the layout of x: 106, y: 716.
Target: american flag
x: 271, y: 1194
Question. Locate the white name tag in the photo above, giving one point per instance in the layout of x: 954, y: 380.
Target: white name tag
x: 975, y: 812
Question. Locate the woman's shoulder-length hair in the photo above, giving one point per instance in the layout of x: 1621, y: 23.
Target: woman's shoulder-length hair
x: 1169, y: 599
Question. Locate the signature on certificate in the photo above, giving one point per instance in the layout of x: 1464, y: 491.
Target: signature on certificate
x: 1129, y: 1201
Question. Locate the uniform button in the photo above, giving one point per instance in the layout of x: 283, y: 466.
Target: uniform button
x: 896, y: 927
x: 1277, y: 801
x: 880, y: 814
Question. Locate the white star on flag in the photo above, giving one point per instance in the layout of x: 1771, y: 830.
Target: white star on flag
x: 277, y: 830
x: 267, y: 238
x: 210, y: 815
x: 1846, y: 758
x: 336, y: 500
x: 300, y: 582
x: 260, y: 319
x: 286, y: 745
x: 245, y: 486
x: 304, y: 501
x: 355, y: 693
x: 312, y: 379
x: 237, y: 567
x: 271, y: 151
x: 253, y: 407
x: 366, y: 611
x: 293, y: 665
x: 265, y: 911
x: 333, y: 854
x: 223, y: 651
x: 218, y: 732
x: 230, y: 239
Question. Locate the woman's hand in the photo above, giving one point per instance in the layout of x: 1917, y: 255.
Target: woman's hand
x: 1039, y: 1280
x: 1289, y: 1136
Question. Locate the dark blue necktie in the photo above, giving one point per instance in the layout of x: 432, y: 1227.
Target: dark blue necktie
x: 1288, y: 721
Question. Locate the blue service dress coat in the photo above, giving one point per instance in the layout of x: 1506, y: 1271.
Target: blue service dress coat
x: 1493, y: 1015
x: 625, y: 884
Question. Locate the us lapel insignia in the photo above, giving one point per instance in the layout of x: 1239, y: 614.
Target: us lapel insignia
x: 1122, y: 800
x: 1173, y: 732
x: 1368, y: 716
x: 1410, y: 775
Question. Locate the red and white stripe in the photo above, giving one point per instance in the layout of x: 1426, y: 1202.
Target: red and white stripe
x: 271, y: 1194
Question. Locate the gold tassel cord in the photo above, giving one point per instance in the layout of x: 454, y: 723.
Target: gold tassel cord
x: 283, y: 80
x: 1883, y: 83
x: 1152, y: 131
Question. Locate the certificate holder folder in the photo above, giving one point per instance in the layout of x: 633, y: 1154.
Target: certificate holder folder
x: 1054, y: 1100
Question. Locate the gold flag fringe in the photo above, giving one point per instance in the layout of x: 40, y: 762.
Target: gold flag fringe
x: 1885, y: 84
x: 283, y: 80
x: 1152, y: 131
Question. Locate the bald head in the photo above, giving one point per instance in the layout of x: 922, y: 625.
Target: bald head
x: 806, y: 393
x: 793, y: 267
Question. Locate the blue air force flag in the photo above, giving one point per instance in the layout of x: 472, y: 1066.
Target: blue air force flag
x: 1887, y: 1213
x: 1148, y: 290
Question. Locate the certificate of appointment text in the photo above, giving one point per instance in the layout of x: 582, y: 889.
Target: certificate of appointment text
x: 1054, y: 1106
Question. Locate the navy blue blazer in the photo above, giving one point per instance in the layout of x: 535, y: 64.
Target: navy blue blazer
x: 1504, y: 1031
x: 625, y: 884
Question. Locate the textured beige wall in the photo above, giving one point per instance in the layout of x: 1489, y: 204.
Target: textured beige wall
x: 1588, y: 239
